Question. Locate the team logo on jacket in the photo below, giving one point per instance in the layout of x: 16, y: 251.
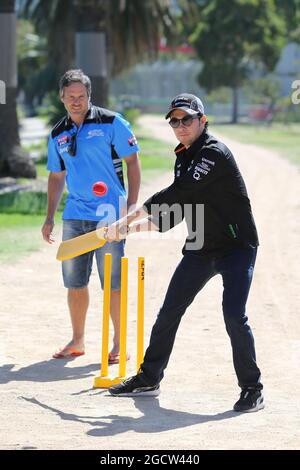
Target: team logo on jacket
x: 132, y: 141
x: 199, y: 170
x: 202, y: 168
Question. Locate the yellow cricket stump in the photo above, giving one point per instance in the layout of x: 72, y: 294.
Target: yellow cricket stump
x: 140, y: 313
x: 104, y: 380
x: 123, y: 318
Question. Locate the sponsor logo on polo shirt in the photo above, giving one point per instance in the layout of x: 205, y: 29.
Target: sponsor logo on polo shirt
x: 132, y: 141
x: 63, y: 140
x: 95, y: 133
x: 63, y: 150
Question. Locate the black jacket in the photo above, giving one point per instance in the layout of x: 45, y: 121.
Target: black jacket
x: 206, y: 174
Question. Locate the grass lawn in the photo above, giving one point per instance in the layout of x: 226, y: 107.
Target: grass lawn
x: 20, y: 235
x: 41, y: 169
x: 284, y: 139
x: 156, y: 156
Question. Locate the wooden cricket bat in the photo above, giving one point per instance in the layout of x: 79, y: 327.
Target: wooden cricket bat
x: 79, y: 245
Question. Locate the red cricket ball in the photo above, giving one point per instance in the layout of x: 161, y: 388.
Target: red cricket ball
x: 100, y: 188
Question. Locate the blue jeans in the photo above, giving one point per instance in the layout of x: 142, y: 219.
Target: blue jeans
x: 193, y: 272
x: 76, y: 271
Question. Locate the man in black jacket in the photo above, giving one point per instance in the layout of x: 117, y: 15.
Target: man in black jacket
x: 209, y: 193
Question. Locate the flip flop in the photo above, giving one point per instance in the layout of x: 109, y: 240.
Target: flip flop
x: 72, y: 352
x: 114, y: 358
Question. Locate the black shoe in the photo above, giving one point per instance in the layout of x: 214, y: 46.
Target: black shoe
x: 250, y: 400
x: 134, y: 386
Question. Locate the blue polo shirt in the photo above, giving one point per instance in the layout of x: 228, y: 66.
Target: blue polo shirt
x: 101, y: 143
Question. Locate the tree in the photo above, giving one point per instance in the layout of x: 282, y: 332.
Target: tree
x: 13, y: 160
x: 231, y: 40
x: 104, y: 37
x: 290, y: 11
x: 54, y: 20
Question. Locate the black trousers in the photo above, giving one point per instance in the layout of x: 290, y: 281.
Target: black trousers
x: 236, y: 268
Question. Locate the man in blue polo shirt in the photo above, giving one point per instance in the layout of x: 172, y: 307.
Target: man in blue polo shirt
x: 86, y: 146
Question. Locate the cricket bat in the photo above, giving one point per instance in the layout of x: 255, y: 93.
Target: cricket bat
x: 79, y: 245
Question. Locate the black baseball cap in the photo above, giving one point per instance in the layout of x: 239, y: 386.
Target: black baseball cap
x: 187, y: 102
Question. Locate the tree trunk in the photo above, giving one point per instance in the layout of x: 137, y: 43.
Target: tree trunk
x: 63, y: 33
x: 235, y: 105
x: 13, y: 160
x: 91, y: 47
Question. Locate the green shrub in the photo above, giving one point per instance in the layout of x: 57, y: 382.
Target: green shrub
x: 26, y: 202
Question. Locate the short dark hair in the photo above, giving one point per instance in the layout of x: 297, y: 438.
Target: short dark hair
x: 75, y: 76
x: 206, y: 123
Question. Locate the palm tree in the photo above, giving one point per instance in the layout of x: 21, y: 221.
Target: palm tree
x: 101, y: 36
x: 139, y: 26
x: 13, y: 160
x: 56, y: 20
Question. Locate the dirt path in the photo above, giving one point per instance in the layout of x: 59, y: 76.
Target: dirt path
x: 48, y: 404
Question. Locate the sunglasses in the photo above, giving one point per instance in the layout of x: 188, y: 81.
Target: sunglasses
x: 73, y: 147
x: 186, y: 121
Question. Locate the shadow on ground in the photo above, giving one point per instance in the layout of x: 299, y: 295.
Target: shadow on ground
x: 154, y: 418
x: 46, y: 371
